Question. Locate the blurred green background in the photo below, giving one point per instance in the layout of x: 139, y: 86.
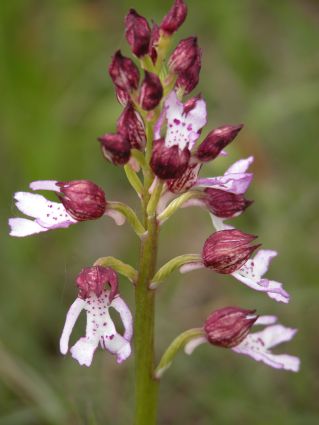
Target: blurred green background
x: 260, y: 67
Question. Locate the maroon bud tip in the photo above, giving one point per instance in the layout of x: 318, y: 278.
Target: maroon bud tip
x: 116, y: 148
x: 225, y: 204
x: 138, y: 33
x: 124, y: 73
x: 189, y: 79
x: 216, y: 141
x: 93, y: 279
x: 228, y: 250
x: 131, y: 126
x: 175, y: 17
x: 82, y: 199
x: 168, y: 162
x: 184, y: 55
x: 229, y: 326
x: 151, y: 92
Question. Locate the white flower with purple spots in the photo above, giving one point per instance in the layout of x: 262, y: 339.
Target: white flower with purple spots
x: 258, y: 345
x: 80, y: 200
x: 100, y: 328
x: 183, y: 125
x: 251, y: 274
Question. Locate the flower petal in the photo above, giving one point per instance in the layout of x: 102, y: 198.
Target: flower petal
x: 117, y: 344
x: 274, y: 335
x: 273, y: 289
x: 235, y: 183
x: 84, y: 349
x: 70, y: 320
x: 183, y: 128
x: 45, y: 185
x: 21, y: 227
x: 261, y: 261
x: 256, y: 346
x: 48, y: 214
x: 120, y: 306
x: 240, y: 166
x: 266, y: 320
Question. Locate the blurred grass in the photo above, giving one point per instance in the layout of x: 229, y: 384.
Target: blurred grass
x: 260, y: 67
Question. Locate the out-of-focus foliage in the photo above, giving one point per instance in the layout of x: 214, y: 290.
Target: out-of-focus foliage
x: 260, y: 67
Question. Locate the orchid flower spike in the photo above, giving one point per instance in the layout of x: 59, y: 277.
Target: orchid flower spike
x: 81, y: 200
x: 229, y: 328
x: 100, y: 329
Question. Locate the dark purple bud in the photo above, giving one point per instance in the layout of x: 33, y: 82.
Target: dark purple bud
x: 189, y: 79
x: 168, y: 162
x: 227, y: 250
x: 131, y: 126
x: 151, y: 92
x: 116, y: 148
x: 184, y: 55
x: 82, y: 199
x: 190, y: 104
x: 225, y: 204
x: 186, y: 180
x: 175, y: 17
x: 155, y: 35
x: 138, y: 33
x: 229, y: 326
x: 124, y: 73
x: 216, y: 141
x: 93, y: 279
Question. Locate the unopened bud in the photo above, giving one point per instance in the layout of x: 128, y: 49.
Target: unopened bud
x: 116, y: 148
x: 151, y: 92
x: 168, y: 162
x: 122, y: 96
x: 131, y: 126
x: 225, y: 204
x: 124, y: 73
x: 138, y: 33
x: 189, y: 79
x: 229, y: 326
x: 227, y: 250
x: 184, y: 55
x: 82, y: 199
x: 93, y: 279
x: 175, y: 17
x: 216, y: 141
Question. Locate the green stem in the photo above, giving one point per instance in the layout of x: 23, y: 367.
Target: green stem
x: 146, y: 386
x: 130, y: 215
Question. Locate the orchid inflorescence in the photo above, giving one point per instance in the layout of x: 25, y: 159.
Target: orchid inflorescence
x: 157, y: 142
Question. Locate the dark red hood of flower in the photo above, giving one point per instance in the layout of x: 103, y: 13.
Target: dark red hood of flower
x: 169, y: 162
x: 184, y: 55
x: 225, y: 204
x: 82, y: 199
x: 124, y: 73
x: 116, y: 148
x: 151, y: 92
x: 186, y: 180
x: 216, y: 141
x: 175, y: 17
x: 227, y: 250
x: 94, y: 279
x: 138, y: 33
x: 131, y: 126
x: 229, y: 326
